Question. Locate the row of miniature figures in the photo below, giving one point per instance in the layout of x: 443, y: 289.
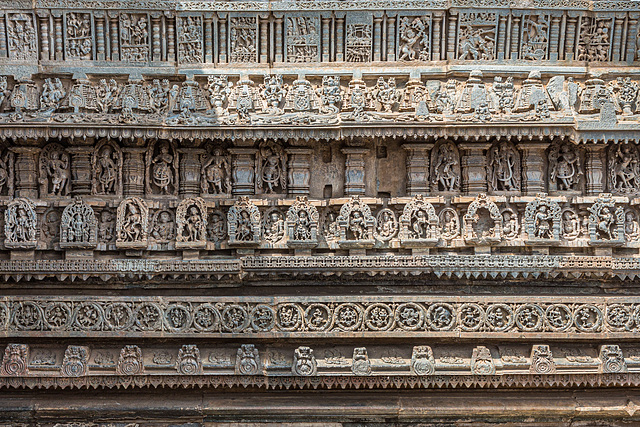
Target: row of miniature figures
x: 545, y: 222
x: 279, y: 100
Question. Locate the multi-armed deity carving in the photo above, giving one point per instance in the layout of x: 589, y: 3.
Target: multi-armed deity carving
x: 79, y: 40
x: 477, y: 39
x: 483, y: 222
x: 273, y: 93
x: 356, y: 225
x: 217, y: 227
x: 503, y: 167
x: 162, y: 227
x: 216, y: 172
x: 21, y: 34
x: 606, y: 222
x: 445, y: 167
x: 132, y: 224
x: 243, y: 220
x: 20, y: 224
x: 273, y: 227
x: 162, y: 168
x: 302, y: 224
x: 55, y: 170
x: 302, y: 38
x: 415, y: 38
x: 449, y: 224
x: 78, y: 226
x: 106, y: 165
x: 191, y: 217
x: 386, y: 225
x: 542, y: 220
x: 419, y: 224
x: 53, y: 92
x: 624, y: 169
x: 219, y: 88
x: 535, y: 37
x: 271, y: 167
x: 331, y: 95
x: 385, y: 95
x: 565, y: 167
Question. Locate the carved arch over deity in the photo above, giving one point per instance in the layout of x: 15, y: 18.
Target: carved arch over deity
x: 162, y: 168
x: 302, y: 224
x: 503, y: 168
x: 445, y: 167
x: 132, y: 224
x: 78, y: 226
x: 20, y: 224
x: 191, y: 219
x: 356, y: 225
x: 566, y: 171
x: 54, y: 170
x: 483, y: 222
x: 243, y: 221
x: 606, y: 222
x: 419, y: 224
x: 106, y: 165
x: 542, y: 220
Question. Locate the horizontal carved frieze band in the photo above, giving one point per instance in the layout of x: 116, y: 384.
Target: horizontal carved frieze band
x: 318, y: 317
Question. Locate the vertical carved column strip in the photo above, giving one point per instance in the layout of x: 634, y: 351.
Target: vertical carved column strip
x: 3, y: 37
x: 26, y: 173
x: 326, y: 21
x: 44, y: 35
x: 115, y: 50
x: 594, y: 165
x: 354, y: 171
x: 571, y: 38
x: 340, y: 38
x: 171, y: 37
x: 243, y: 170
x: 417, y: 165
x: 616, y: 49
x: 155, y: 29
x: 57, y: 20
x: 208, y: 38
x: 190, y: 171
x: 100, y: 35
x: 515, y: 37
x: 299, y: 170
x: 451, y: 37
x: 437, y: 39
x: 264, y: 39
x: 502, y: 36
x: 377, y: 38
x: 80, y: 170
x: 279, y: 57
x: 133, y: 171
x: 533, y: 167
x: 391, y: 38
x: 632, y: 33
x: 554, y: 38
x: 222, y: 43
x: 474, y: 167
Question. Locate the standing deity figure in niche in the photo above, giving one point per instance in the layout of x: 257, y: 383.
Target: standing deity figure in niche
x: 273, y: 161
x: 624, y: 169
x: 302, y: 229
x: 446, y: 172
x: 193, y: 225
x: 217, y: 174
x: 20, y: 224
x: 162, y: 170
x: 420, y: 226
x: 54, y: 170
x: 606, y: 220
x: 565, y: 168
x: 504, y: 168
x: 106, y: 170
x: 106, y: 226
x: 357, y: 226
x: 132, y: 225
x: 542, y: 223
x: 244, y: 231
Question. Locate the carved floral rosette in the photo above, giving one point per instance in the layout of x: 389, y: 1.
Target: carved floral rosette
x: 302, y: 224
x: 191, y: 218
x: 606, y: 222
x: 485, y: 229
x: 419, y: 224
x: 20, y: 224
x: 243, y: 221
x: 356, y: 224
x: 78, y: 226
x: 542, y: 220
x: 132, y: 224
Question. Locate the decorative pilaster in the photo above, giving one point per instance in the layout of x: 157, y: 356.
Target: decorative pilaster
x: 437, y: 36
x: 3, y: 36
x: 43, y: 17
x: 515, y: 36
x: 417, y: 168
x: 340, y: 38
x: 26, y: 178
x: 171, y: 33
x: 243, y: 170
x: 208, y: 38
x: 533, y: 165
x: 570, y: 43
x: 264, y: 39
x: 632, y: 33
x: 190, y: 171
x: 100, y: 35
x: 80, y: 170
x: 617, y: 37
x: 377, y: 38
x: 299, y: 170
x: 57, y: 22
x: 133, y: 171
x: 113, y: 36
x: 451, y: 37
x: 594, y: 165
x: 155, y: 39
x: 502, y: 36
x: 554, y: 38
x: 354, y: 171
x: 391, y: 38
x: 474, y: 167
x: 326, y: 22
x: 222, y: 40
x: 278, y: 43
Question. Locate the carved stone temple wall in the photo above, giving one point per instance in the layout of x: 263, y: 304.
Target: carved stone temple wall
x: 390, y: 212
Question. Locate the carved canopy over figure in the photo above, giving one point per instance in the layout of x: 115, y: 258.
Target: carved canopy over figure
x: 624, y: 169
x: 191, y: 218
x: 356, y: 225
x: 272, y: 167
x: 132, y: 223
x: 20, y: 224
x: 542, y: 219
x: 483, y: 222
x: 565, y: 167
x: 79, y: 226
x: 107, y: 168
x: 606, y: 222
x: 216, y: 173
x: 55, y: 170
x: 419, y: 224
x: 503, y: 167
x: 302, y: 224
x: 445, y: 167
x: 162, y: 168
x: 243, y: 220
